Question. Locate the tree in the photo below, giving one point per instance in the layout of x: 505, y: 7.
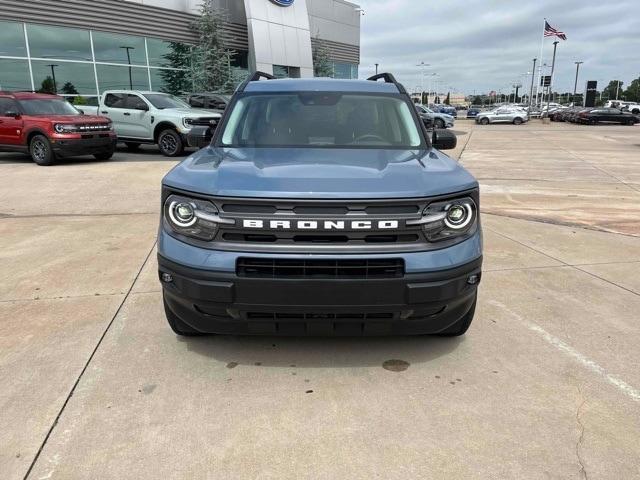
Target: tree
x: 69, y: 89
x: 632, y: 93
x: 211, y: 69
x: 437, y: 100
x: 322, y: 64
x: 47, y: 85
x: 178, y: 57
x: 609, y: 92
x: 447, y: 101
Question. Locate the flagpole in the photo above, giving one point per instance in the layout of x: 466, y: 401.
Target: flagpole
x: 553, y: 64
x: 544, y: 24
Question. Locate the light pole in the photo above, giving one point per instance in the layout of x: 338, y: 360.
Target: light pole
x: 423, y: 65
x: 533, y: 76
x: 575, y: 85
x: 376, y: 68
x: 553, y: 66
x: 617, y: 88
x: 53, y: 75
x: 129, y: 62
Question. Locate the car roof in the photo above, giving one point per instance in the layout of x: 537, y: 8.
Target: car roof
x: 320, y: 85
x: 27, y: 95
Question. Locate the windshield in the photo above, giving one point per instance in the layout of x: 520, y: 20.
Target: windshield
x: 48, y: 106
x: 162, y: 101
x: 312, y: 119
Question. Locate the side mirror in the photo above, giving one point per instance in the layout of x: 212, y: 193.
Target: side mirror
x: 200, y: 136
x: 444, y: 140
x: 13, y: 114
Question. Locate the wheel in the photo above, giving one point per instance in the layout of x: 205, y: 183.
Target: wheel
x: 635, y: 111
x: 41, y: 151
x: 630, y: 122
x: 177, y: 325
x: 462, y: 325
x: 593, y: 121
x: 439, y: 123
x: 132, y: 146
x: 517, y: 121
x: 170, y: 143
x: 484, y: 121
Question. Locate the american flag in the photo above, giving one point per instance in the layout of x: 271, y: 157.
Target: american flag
x: 549, y: 31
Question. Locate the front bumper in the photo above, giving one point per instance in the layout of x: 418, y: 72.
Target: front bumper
x: 88, y: 145
x: 425, y: 300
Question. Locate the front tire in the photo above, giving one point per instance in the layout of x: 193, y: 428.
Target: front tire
x: 484, y: 121
x: 41, y: 151
x: 104, y: 155
x: 517, y: 121
x: 439, y: 123
x: 462, y: 325
x: 170, y: 143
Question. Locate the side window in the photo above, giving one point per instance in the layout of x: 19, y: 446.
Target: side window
x: 7, y: 105
x: 134, y: 102
x: 115, y: 100
x: 196, y: 101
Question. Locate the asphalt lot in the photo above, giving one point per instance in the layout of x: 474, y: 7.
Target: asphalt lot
x: 93, y: 383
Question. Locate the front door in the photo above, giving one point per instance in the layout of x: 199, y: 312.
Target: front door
x: 10, y: 127
x: 125, y: 111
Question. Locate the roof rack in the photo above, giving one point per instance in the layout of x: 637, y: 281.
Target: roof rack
x: 254, y: 77
x: 388, y: 78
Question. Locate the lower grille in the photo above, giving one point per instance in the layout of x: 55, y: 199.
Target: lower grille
x: 348, y: 269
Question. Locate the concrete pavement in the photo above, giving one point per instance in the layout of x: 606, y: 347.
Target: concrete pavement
x: 545, y: 383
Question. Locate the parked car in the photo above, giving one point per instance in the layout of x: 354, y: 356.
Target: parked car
x: 306, y: 214
x: 48, y: 127
x: 215, y: 101
x: 632, y: 107
x: 473, y: 112
x: 502, y: 115
x: 446, y: 109
x: 435, y: 119
x: 153, y: 118
x: 607, y: 115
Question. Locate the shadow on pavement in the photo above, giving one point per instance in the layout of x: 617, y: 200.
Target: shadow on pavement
x: 320, y: 352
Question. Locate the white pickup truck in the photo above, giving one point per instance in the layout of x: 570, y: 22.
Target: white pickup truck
x: 153, y: 118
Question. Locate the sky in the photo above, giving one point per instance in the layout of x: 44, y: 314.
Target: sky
x: 475, y: 46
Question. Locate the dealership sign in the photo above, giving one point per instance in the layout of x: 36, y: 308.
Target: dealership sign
x: 283, y: 3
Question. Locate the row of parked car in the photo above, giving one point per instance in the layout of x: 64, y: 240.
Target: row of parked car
x: 49, y: 127
x: 593, y: 116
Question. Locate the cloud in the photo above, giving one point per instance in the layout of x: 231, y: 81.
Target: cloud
x: 483, y: 45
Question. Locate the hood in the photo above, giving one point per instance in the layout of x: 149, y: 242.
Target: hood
x: 193, y: 112
x: 70, y: 118
x: 319, y: 173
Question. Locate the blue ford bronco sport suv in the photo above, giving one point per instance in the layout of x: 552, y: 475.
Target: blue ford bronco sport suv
x: 320, y: 207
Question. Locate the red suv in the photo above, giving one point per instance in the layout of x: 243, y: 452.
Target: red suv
x: 48, y: 127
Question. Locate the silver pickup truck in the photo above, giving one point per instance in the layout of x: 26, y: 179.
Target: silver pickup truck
x: 153, y: 118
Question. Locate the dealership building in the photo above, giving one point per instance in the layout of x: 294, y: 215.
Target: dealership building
x: 79, y: 47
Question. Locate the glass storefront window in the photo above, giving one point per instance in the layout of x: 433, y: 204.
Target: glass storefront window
x: 12, y: 40
x: 175, y: 82
x: 63, y: 77
x: 14, y: 74
x: 112, y: 77
x: 59, y: 42
x: 113, y: 48
x: 168, y: 54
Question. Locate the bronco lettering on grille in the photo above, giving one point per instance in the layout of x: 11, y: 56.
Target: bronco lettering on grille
x: 321, y: 224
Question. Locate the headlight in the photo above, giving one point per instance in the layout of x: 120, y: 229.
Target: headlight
x: 62, y: 128
x: 188, y: 122
x: 448, y: 219
x: 192, y: 217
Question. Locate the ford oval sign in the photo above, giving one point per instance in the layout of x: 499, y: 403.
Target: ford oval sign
x: 283, y: 3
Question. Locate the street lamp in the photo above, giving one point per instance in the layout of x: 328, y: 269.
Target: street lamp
x: 376, y: 68
x: 129, y: 62
x: 423, y: 65
x: 575, y: 85
x: 53, y: 75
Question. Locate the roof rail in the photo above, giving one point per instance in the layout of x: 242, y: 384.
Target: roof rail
x: 255, y: 76
x: 388, y: 78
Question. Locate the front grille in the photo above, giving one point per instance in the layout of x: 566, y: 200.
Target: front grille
x: 97, y: 127
x: 203, y: 121
x: 320, y: 269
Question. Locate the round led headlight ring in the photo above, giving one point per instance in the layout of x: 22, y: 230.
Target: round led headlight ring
x: 59, y: 128
x: 182, y: 214
x: 458, y: 216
